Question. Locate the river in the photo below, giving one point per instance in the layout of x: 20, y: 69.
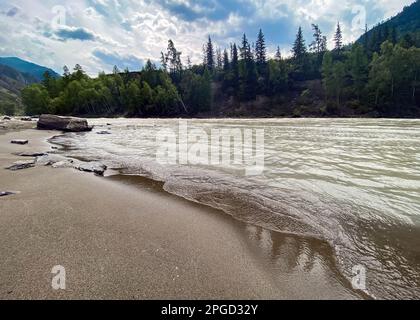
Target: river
x: 353, y: 183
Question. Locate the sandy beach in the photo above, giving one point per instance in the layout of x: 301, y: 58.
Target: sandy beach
x: 122, y: 237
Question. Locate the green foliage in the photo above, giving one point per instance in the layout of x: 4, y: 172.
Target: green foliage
x: 327, y: 75
x: 277, y: 77
x: 7, y: 108
x: 394, y: 75
x: 260, y: 52
x: 209, y: 55
x: 358, y: 69
x: 333, y: 77
x: 196, y: 92
x: 36, y: 99
x: 380, y: 74
x: 299, y: 51
x: 403, y: 29
x: 247, y: 72
x: 338, y: 40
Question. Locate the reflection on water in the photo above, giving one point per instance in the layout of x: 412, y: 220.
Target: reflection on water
x: 354, y: 183
x: 292, y: 262
x: 304, y: 263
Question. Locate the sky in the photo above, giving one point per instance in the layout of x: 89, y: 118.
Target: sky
x: 99, y: 34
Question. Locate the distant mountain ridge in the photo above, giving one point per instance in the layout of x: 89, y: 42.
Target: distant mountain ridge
x: 15, y: 74
x: 25, y: 67
x: 405, y: 22
x: 13, y: 80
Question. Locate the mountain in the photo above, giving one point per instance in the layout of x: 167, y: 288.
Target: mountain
x: 15, y: 74
x: 26, y: 67
x: 405, y: 25
x: 11, y: 82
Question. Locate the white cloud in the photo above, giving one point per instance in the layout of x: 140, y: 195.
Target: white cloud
x: 141, y: 28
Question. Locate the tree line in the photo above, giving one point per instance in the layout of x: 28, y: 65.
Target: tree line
x: 378, y: 74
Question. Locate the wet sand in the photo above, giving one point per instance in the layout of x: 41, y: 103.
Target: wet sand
x: 123, y: 237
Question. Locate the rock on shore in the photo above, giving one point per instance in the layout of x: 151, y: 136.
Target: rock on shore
x: 58, y: 161
x: 31, y: 154
x: 20, y: 165
x: 68, y: 124
x: 6, y: 193
x: 9, y: 123
x: 16, y: 141
x: 95, y: 167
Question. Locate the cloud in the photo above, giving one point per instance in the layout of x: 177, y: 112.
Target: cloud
x: 69, y: 33
x: 101, y: 33
x: 12, y: 12
x: 112, y: 59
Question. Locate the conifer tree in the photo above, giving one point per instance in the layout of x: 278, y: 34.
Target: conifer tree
x: 299, y: 50
x: 226, y: 65
x: 245, y: 49
x: 210, y: 55
x: 260, y: 50
x: 235, y: 65
x: 248, y: 72
x: 219, y: 59
x: 316, y: 45
x: 366, y: 38
x: 277, y: 56
x: 163, y: 62
x: 338, y: 39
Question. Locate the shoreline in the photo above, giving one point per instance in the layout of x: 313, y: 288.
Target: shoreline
x: 121, y: 237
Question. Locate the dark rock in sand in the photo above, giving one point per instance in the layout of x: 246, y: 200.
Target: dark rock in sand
x: 103, y: 132
x: 31, y: 154
x: 19, y: 141
x: 6, y: 193
x: 7, y: 118
x: 96, y: 167
x: 68, y: 124
x: 20, y: 165
x: 26, y: 119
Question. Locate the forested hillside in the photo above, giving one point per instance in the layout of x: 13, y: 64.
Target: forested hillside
x: 376, y: 76
x: 11, y: 83
x: 15, y: 74
x: 404, y: 27
x: 28, y: 68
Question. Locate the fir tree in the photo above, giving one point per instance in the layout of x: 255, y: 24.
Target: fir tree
x: 245, y: 49
x: 173, y: 58
x: 248, y: 72
x: 225, y: 61
x: 210, y: 55
x: 277, y: 56
x: 338, y: 39
x: 219, y: 59
x: 235, y: 65
x: 260, y: 50
x: 316, y: 45
x: 299, y: 49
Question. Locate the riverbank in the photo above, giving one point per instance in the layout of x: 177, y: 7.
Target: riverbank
x: 122, y: 237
